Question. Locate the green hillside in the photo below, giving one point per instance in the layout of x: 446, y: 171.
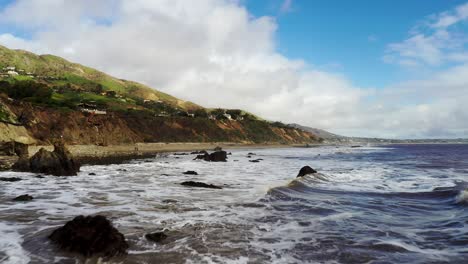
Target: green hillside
x: 67, y: 77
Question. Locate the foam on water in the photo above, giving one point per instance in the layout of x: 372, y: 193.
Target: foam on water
x: 251, y: 220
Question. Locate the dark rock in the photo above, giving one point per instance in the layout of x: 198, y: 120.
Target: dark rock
x: 92, y: 174
x: 180, y: 154
x: 39, y: 176
x: 251, y: 154
x: 218, y: 148
x: 10, y: 179
x: 254, y: 160
x: 200, y: 152
x: 170, y: 201
x: 14, y: 148
x: 156, y: 237
x: 217, y: 156
x: 23, y: 198
x: 200, y: 185
x: 229, y: 153
x: 58, y: 162
x: 90, y: 236
x: 191, y: 173
x: 306, y: 170
x: 356, y: 146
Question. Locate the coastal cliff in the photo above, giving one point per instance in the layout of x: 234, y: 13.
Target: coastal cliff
x: 44, y: 98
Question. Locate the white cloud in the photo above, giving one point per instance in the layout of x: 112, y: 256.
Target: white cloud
x: 433, y: 43
x: 213, y: 52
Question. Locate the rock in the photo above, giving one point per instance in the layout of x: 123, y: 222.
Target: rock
x: 92, y: 174
x: 58, y: 162
x: 156, y: 237
x: 14, y: 148
x: 191, y: 173
x: 356, y: 146
x: 170, y: 201
x: 180, y: 154
x: 23, y: 198
x: 200, y: 185
x: 306, y: 170
x: 10, y: 179
x: 217, y: 156
x: 218, y: 148
x: 251, y: 154
x: 199, y: 152
x: 90, y: 236
x: 254, y: 160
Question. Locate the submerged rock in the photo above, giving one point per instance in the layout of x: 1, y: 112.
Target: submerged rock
x: 89, y: 236
x: 306, y: 170
x: 200, y: 185
x: 23, y: 198
x: 156, y: 237
x: 10, y: 179
x: 190, y: 173
x: 58, y: 162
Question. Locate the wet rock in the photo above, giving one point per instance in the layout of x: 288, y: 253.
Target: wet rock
x: 92, y: 174
x: 170, y: 201
x: 180, y: 154
x: 23, y: 198
x: 200, y: 185
x: 156, y: 237
x: 190, y: 173
x: 251, y: 154
x: 254, y: 160
x: 90, y: 236
x: 356, y: 146
x: 199, y: 152
x: 217, y: 156
x: 39, y: 176
x: 306, y: 170
x: 58, y: 162
x: 10, y: 179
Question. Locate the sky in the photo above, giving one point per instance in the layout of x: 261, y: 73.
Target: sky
x: 393, y: 69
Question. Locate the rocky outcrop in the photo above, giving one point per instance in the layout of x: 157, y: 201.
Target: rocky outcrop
x: 58, y: 162
x: 200, y: 185
x: 12, y: 148
x: 306, y: 170
x: 217, y: 156
x: 90, y: 236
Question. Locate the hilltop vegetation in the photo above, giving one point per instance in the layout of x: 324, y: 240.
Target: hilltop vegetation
x: 52, y: 97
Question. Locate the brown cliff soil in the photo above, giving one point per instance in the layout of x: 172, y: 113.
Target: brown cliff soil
x: 46, y: 124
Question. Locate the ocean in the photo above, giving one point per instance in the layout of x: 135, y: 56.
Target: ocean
x: 382, y: 204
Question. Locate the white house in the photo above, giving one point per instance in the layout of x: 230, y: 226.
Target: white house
x: 12, y: 73
x: 228, y: 116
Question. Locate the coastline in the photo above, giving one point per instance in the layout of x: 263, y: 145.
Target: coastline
x: 112, y: 154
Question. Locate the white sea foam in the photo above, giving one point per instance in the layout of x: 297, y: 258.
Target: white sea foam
x: 10, y: 246
x: 462, y: 197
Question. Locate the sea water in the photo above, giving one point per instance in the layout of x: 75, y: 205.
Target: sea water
x: 384, y: 204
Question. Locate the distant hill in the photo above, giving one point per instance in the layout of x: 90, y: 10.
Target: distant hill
x: 337, y: 139
x: 44, y: 97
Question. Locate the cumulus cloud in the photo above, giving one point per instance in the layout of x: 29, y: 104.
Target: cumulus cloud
x: 215, y: 53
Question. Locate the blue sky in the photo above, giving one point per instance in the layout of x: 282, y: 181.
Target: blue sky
x: 349, y: 36
x: 386, y: 68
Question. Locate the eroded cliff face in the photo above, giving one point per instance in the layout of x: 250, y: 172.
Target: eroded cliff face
x: 45, y: 124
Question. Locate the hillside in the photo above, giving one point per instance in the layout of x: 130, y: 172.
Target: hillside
x: 44, y: 97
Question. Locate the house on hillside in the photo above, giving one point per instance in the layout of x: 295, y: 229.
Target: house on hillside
x: 91, y: 108
x: 12, y: 73
x: 228, y: 116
